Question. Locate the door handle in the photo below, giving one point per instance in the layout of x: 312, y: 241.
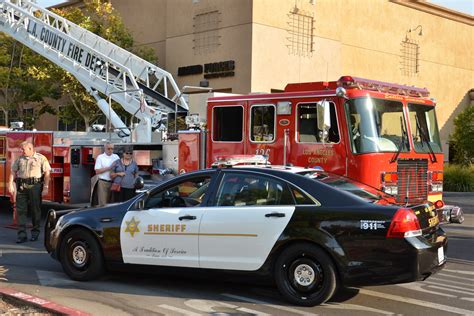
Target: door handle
x: 275, y: 215
x: 190, y: 217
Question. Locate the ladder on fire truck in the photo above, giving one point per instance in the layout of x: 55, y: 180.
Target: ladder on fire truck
x: 141, y: 88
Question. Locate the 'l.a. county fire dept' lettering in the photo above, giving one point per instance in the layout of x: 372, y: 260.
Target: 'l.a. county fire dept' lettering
x: 67, y: 48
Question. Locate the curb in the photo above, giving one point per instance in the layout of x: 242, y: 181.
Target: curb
x: 41, y: 303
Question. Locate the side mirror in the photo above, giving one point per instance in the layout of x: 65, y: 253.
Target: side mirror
x: 324, y: 116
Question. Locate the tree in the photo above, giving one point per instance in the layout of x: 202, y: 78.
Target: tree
x: 99, y: 17
x: 17, y: 85
x: 461, y: 139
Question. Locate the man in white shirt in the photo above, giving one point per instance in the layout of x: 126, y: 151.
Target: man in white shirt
x: 103, y: 165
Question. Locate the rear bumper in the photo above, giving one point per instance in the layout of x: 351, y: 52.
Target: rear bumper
x: 405, y: 260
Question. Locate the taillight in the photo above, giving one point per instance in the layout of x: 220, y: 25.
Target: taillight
x: 404, y: 224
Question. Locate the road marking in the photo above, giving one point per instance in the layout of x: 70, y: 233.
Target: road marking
x: 417, y: 287
x: 178, y: 310
x: 459, y: 271
x: 450, y: 286
x: 212, y: 307
x: 443, y: 281
x: 284, y: 308
x: 453, y: 276
x: 413, y: 301
x: 447, y: 289
x: 355, y: 307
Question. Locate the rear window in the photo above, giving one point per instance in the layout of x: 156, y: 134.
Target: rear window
x: 342, y: 183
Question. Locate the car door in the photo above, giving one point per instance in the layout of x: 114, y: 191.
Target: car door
x: 165, y: 231
x: 249, y: 213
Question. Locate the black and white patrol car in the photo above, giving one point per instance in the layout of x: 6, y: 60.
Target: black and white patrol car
x: 310, y: 230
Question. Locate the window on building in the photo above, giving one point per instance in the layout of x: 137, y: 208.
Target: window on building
x: 206, y: 32
x: 410, y: 57
x: 262, y: 123
x: 228, y: 123
x: 311, y: 127
x: 301, y: 29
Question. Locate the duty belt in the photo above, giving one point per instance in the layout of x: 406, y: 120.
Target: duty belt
x: 28, y: 181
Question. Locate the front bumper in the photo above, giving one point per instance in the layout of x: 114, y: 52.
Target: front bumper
x: 451, y: 214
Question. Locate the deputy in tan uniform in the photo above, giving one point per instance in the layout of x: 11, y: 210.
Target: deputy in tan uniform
x: 31, y: 172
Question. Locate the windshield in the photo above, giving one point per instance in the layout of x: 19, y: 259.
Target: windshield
x: 376, y: 125
x: 424, y: 128
x: 361, y: 190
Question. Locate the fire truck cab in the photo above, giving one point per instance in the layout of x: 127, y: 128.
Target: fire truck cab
x: 382, y: 134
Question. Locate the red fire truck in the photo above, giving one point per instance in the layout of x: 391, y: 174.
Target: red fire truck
x: 382, y: 134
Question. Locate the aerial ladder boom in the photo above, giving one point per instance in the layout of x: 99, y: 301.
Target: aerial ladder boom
x: 141, y: 88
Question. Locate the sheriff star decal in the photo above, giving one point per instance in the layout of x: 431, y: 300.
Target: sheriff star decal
x: 132, y: 226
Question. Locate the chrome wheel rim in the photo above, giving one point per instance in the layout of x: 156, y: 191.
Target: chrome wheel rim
x: 304, y: 275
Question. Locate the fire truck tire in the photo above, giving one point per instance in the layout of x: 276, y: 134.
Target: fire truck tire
x: 81, y: 256
x: 305, y: 275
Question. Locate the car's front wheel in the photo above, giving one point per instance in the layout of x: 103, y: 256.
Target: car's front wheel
x: 81, y: 256
x: 305, y: 275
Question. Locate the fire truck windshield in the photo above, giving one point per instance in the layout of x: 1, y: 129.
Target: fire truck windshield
x: 424, y: 128
x: 376, y: 125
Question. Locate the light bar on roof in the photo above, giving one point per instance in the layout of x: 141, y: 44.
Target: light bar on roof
x: 349, y: 82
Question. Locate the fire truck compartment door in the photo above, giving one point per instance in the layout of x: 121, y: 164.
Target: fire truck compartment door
x: 240, y: 238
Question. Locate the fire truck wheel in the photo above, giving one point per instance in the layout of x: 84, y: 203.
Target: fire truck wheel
x: 81, y: 256
x: 305, y: 275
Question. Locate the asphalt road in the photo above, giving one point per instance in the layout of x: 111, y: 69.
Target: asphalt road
x: 32, y: 271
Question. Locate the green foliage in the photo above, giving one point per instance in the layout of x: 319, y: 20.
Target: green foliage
x: 462, y: 138
x: 17, y: 87
x: 458, y: 178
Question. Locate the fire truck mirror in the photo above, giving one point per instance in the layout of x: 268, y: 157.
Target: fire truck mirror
x: 75, y: 156
x: 324, y: 117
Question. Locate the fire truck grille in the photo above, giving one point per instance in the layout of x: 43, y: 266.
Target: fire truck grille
x: 412, y: 180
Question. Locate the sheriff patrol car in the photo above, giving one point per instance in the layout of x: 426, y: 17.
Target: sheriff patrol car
x: 312, y: 231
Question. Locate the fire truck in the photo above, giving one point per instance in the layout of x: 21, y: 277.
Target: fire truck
x: 381, y: 134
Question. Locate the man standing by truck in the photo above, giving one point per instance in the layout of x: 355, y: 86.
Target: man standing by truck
x: 103, y: 165
x: 31, y: 172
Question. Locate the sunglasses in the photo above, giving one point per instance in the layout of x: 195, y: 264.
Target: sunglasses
x: 129, y: 152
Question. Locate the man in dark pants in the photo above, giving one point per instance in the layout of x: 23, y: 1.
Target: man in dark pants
x: 31, y: 172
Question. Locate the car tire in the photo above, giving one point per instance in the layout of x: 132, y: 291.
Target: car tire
x: 305, y: 275
x: 81, y: 256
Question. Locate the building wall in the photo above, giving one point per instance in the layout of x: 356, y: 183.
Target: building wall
x: 350, y: 37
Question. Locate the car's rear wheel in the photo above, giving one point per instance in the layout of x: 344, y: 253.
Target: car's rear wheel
x: 305, y: 275
x: 81, y: 256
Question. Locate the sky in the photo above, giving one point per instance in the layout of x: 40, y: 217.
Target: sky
x: 465, y: 6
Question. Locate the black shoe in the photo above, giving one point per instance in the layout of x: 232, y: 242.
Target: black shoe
x: 21, y: 240
x: 34, y: 238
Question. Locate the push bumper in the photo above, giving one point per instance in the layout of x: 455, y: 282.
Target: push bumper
x: 451, y: 214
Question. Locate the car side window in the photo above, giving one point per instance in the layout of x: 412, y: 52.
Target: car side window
x: 246, y: 190
x: 188, y: 193
x: 301, y: 198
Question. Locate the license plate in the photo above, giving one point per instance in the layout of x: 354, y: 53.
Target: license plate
x: 440, y: 255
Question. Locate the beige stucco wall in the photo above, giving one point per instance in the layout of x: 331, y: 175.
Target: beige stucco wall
x: 351, y: 37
